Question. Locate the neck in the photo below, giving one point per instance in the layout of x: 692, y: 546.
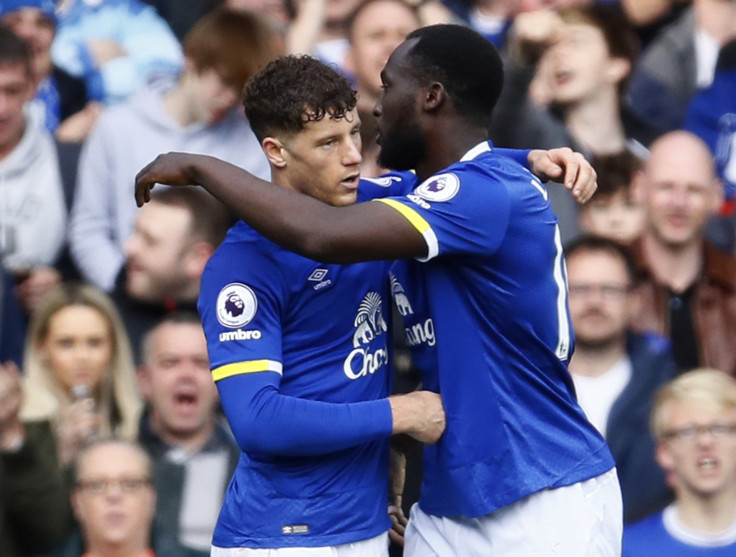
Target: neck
x: 128, y: 548
x: 717, y: 18
x: 189, y: 292
x: 446, y: 145
x: 190, y: 442
x: 176, y: 105
x: 591, y: 360
x: 711, y: 514
x: 595, y: 123
x: 677, y: 267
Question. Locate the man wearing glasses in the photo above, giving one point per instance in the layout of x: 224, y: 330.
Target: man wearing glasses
x: 114, y: 503
x: 694, y: 423
x: 616, y: 371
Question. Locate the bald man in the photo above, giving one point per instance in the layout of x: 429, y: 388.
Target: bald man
x: 689, y: 288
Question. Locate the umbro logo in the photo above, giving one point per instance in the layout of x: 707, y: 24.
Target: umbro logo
x: 319, y: 276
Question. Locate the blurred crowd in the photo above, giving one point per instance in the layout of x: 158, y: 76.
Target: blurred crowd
x: 111, y: 437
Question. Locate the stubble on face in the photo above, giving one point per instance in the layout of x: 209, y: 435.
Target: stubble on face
x: 403, y: 146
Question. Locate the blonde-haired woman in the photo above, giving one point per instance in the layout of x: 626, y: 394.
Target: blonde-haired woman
x: 79, y: 371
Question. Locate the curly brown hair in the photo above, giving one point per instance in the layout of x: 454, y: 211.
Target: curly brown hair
x: 293, y: 90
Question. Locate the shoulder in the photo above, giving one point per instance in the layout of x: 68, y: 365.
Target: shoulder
x: 721, y: 267
x: 651, y: 342
x: 644, y: 533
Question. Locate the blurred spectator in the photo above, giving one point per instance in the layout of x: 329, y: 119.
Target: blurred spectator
x: 195, y: 113
x: 32, y: 211
x: 375, y: 29
x: 613, y: 212
x: 585, y: 56
x: 194, y: 453
x: 320, y: 27
x: 114, y: 501
x: 493, y: 18
x: 712, y: 116
x: 174, y: 236
x: 694, y: 423
x: 689, y: 287
x: 79, y: 374
x: 60, y: 97
x: 679, y: 61
x: 114, y: 45
x: 33, y: 505
x: 616, y: 371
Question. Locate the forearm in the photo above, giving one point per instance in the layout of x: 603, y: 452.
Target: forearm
x: 267, y: 422
x: 306, y: 225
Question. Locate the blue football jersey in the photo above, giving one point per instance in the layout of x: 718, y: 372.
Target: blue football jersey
x: 487, y: 316
x: 320, y: 329
x: 652, y: 538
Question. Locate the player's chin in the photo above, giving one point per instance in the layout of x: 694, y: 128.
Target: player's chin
x: 345, y: 199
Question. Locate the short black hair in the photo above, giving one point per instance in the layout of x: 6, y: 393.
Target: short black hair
x: 293, y: 90
x: 465, y: 62
x: 615, y: 172
x: 14, y: 50
x: 178, y: 317
x: 591, y: 243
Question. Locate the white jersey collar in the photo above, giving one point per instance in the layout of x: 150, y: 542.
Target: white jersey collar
x: 482, y: 147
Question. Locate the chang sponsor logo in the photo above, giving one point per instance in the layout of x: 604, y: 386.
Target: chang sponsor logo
x: 418, y: 333
x: 369, y: 325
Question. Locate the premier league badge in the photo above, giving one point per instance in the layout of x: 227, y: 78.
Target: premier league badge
x: 236, y: 305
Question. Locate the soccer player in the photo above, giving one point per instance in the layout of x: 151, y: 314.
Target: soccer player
x: 517, y: 448
x: 299, y: 348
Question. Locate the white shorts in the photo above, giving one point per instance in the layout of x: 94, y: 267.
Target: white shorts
x: 373, y: 547
x: 581, y: 520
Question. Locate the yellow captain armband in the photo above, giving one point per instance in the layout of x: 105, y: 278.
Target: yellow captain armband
x: 240, y: 368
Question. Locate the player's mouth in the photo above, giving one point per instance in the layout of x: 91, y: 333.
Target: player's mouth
x: 351, y: 181
x: 707, y: 463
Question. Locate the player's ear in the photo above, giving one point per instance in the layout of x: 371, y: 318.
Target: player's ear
x: 434, y: 96
x: 274, y: 150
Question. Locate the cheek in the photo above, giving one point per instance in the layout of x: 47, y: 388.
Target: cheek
x: 102, y: 359
x: 60, y: 361
x: 45, y: 38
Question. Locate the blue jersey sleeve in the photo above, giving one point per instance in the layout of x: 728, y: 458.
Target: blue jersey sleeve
x: 466, y: 210
x: 241, y: 303
x: 267, y: 422
x: 521, y: 156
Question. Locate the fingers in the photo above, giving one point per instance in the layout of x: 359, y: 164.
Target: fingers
x: 581, y: 178
x: 143, y: 186
x: 398, y: 524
